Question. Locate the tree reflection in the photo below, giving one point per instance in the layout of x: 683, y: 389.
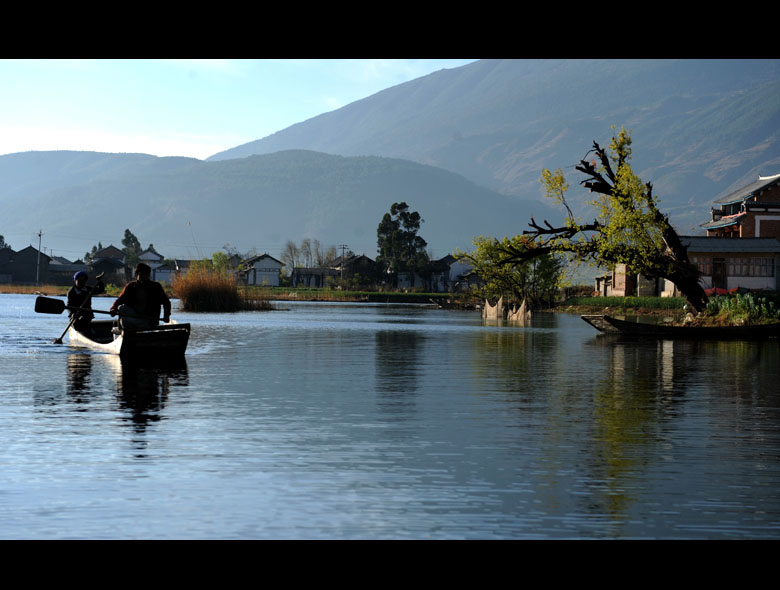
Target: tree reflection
x: 397, y: 355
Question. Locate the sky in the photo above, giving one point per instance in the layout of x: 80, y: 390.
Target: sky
x: 193, y: 108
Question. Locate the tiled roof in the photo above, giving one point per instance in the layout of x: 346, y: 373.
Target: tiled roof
x: 723, y: 221
x: 718, y: 244
x: 746, y: 191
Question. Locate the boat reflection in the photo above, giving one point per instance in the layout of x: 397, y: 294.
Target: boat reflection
x: 142, y: 388
x: 78, y: 382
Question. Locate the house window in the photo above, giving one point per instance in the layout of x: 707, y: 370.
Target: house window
x: 737, y: 266
x: 762, y: 267
x: 704, y: 264
x: 751, y: 266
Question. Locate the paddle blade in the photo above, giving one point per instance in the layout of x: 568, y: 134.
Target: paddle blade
x: 47, y: 305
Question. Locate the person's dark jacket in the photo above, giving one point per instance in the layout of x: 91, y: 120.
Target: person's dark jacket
x: 83, y: 298
x: 145, y: 298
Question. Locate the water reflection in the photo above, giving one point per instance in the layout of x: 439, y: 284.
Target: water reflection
x: 79, y: 369
x: 644, y: 390
x: 370, y: 422
x: 142, y: 389
x: 397, y: 357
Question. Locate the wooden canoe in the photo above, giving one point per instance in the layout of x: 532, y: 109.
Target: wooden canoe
x: 610, y: 325
x: 164, y: 341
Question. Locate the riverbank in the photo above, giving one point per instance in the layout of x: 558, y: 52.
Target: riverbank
x: 644, y: 305
x: 286, y: 294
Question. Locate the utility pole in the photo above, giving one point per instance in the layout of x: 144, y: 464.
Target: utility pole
x: 343, y: 247
x: 38, y: 265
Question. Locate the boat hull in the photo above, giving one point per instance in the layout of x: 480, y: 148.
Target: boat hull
x: 164, y: 341
x: 610, y: 325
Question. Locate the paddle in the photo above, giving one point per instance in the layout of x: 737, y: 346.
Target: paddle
x: 70, y: 323
x: 57, y: 306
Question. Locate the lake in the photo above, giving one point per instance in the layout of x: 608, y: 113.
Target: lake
x: 372, y: 421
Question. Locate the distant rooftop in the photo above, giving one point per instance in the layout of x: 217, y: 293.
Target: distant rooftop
x: 746, y: 191
x: 719, y: 244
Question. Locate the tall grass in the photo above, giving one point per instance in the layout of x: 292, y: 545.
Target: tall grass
x: 210, y: 290
x: 630, y: 302
x: 744, y: 308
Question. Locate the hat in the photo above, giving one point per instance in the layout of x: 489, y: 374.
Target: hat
x: 81, y: 273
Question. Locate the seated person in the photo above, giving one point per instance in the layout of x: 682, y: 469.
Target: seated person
x: 80, y: 295
x: 138, y: 305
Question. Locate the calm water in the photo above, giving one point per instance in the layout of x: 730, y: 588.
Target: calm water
x: 382, y: 421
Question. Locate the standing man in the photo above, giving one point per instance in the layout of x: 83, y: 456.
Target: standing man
x: 80, y: 295
x: 139, y: 303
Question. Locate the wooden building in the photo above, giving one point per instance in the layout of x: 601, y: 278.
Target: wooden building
x: 727, y: 263
x: 28, y: 266
x: 750, y: 212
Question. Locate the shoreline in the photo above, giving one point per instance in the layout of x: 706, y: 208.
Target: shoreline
x: 442, y: 300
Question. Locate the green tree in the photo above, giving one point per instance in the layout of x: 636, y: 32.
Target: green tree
x: 628, y: 228
x: 90, y: 256
x: 221, y: 262
x: 132, y: 248
x: 535, y: 280
x: 3, y: 243
x: 399, y: 247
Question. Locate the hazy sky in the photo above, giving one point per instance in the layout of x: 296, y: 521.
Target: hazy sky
x: 192, y: 108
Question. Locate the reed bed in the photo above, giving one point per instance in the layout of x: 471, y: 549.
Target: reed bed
x: 208, y: 290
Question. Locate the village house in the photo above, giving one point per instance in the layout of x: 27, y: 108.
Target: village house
x: 61, y: 270
x: 167, y: 270
x: 348, y: 267
x: 263, y: 270
x: 740, y: 251
x: 25, y: 267
x: 151, y: 257
x: 6, y: 255
x: 727, y: 263
x: 620, y: 282
x: 750, y: 212
x: 111, y: 262
x: 446, y: 274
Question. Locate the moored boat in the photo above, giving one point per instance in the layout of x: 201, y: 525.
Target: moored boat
x: 163, y: 341
x: 610, y: 325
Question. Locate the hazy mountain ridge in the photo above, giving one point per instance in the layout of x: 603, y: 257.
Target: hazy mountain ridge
x: 465, y: 147
x: 191, y: 208
x: 700, y: 127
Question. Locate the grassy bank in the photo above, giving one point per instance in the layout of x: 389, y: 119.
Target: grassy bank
x: 626, y: 304
x: 326, y: 294
x: 742, y: 309
x: 722, y: 310
x: 51, y: 290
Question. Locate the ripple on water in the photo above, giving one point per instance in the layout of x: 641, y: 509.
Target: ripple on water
x: 378, y: 422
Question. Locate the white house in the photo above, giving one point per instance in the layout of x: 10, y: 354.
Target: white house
x: 263, y: 270
x: 729, y: 263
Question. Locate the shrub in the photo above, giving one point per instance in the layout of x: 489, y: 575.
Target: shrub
x: 203, y: 289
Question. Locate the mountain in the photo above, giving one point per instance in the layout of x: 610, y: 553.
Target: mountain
x: 191, y: 208
x: 465, y: 147
x: 701, y: 128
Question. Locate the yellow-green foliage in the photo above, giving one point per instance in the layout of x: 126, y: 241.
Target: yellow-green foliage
x: 536, y: 280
